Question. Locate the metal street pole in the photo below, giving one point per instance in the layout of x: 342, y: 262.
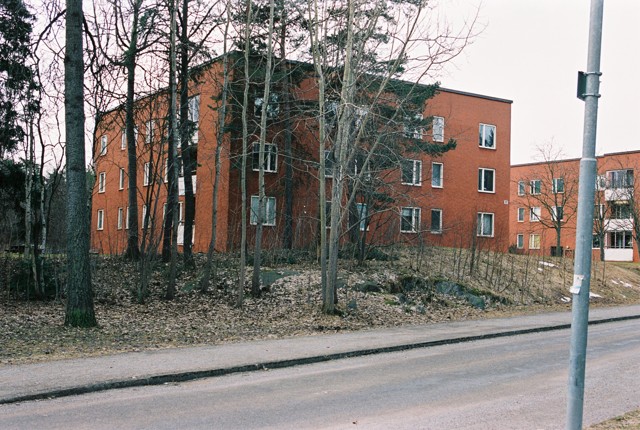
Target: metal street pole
x: 588, y: 87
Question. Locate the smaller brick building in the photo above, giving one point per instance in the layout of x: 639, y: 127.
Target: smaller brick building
x: 544, y: 196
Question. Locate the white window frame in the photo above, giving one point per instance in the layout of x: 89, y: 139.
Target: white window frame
x: 270, y: 158
x: 127, y: 223
x: 415, y: 219
x: 144, y: 216
x: 437, y: 129
x: 554, y: 187
x: 533, y: 238
x: 146, y: 176
x: 522, y: 188
x: 437, y: 181
x: 554, y: 213
x: 533, y: 190
x: 100, y: 216
x: 482, y: 136
x: 480, y: 229
x: 520, y: 241
x: 120, y: 218
x: 102, y: 182
x: 363, y: 213
x: 121, y: 179
x: 416, y: 172
x: 521, y: 214
x: 149, y: 130
x: 123, y: 138
x: 269, y: 209
x: 273, y: 107
x: 194, y: 116
x: 437, y: 230
x: 103, y: 144
x: 535, y: 213
x: 481, y: 180
x: 411, y: 131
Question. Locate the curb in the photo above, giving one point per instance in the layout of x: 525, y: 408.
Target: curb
x: 279, y: 364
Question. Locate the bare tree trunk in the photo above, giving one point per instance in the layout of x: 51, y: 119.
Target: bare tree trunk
x: 287, y: 239
x: 79, y: 311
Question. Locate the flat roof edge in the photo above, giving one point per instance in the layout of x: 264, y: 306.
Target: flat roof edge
x: 481, y: 96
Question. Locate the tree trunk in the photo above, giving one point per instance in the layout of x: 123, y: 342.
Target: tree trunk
x: 79, y: 310
x: 287, y: 239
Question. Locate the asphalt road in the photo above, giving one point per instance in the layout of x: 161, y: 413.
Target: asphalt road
x: 517, y: 382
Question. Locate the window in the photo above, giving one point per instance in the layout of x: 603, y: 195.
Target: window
x: 436, y: 221
x: 520, y: 241
x: 598, y: 212
x: 327, y: 214
x: 103, y: 144
x: 485, y: 224
x: 601, y: 182
x: 412, y: 172
x: 621, y: 211
x: 166, y: 170
x: 535, y: 187
x: 148, y: 137
x: 595, y: 242
x: 620, y: 178
x: 534, y: 241
x: 409, y: 220
x: 126, y: 225
x: 557, y: 213
x: 273, y: 107
x: 362, y: 216
x: 558, y: 186
x: 100, y: 219
x: 270, y: 210
x: 328, y: 164
x: 521, y: 188
x: 437, y: 171
x: 146, y: 178
x: 520, y: 214
x: 102, y: 181
x: 146, y: 220
x: 620, y: 240
x: 123, y: 138
x: 412, y: 127
x: 437, y: 128
x: 120, y: 218
x: 121, y: 179
x: 270, y: 157
x: 194, y: 117
x: 534, y: 213
x: 486, y: 180
x: 487, y: 137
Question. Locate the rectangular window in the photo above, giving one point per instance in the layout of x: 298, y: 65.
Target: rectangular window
x: 534, y: 213
x: 620, y: 179
x: 413, y: 127
x: 148, y: 137
x: 438, y: 129
x: 520, y: 241
x: 166, y: 170
x: 487, y: 136
x: 273, y: 107
x: 620, y: 240
x: 126, y: 225
x: 595, y: 242
x: 535, y: 187
x: 270, y: 211
x: 620, y: 211
x: 194, y: 118
x: 409, y: 220
x: 486, y: 180
x: 327, y: 214
x: 362, y: 216
x: 521, y: 188
x: 146, y: 177
x: 485, y: 224
x: 120, y: 218
x: 102, y: 182
x: 436, y: 221
x: 598, y: 212
x: 557, y: 212
x: 601, y: 182
x: 411, y: 172
x: 123, y: 138
x: 145, y: 220
x: 121, y: 179
x: 270, y: 158
x: 534, y: 241
x: 103, y: 144
x: 520, y: 214
x: 329, y: 162
x: 437, y: 173
x: 558, y: 186
x: 100, y: 219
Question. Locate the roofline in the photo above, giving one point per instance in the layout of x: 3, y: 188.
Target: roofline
x: 565, y: 160
x: 480, y: 96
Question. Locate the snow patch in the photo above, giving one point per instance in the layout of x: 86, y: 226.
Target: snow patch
x: 565, y: 299
x: 597, y: 296
x: 544, y: 263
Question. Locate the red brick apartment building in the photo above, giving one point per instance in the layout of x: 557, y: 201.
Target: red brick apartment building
x: 544, y: 195
x: 455, y: 199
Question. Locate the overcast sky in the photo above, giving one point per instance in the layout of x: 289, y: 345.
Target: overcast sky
x: 530, y: 52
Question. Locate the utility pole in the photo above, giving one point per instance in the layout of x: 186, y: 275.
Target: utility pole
x: 588, y: 90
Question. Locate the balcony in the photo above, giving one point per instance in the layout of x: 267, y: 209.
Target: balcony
x: 618, y: 254
x: 617, y: 194
x: 181, y: 185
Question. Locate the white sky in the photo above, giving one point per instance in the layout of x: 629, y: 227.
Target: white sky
x: 530, y: 52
